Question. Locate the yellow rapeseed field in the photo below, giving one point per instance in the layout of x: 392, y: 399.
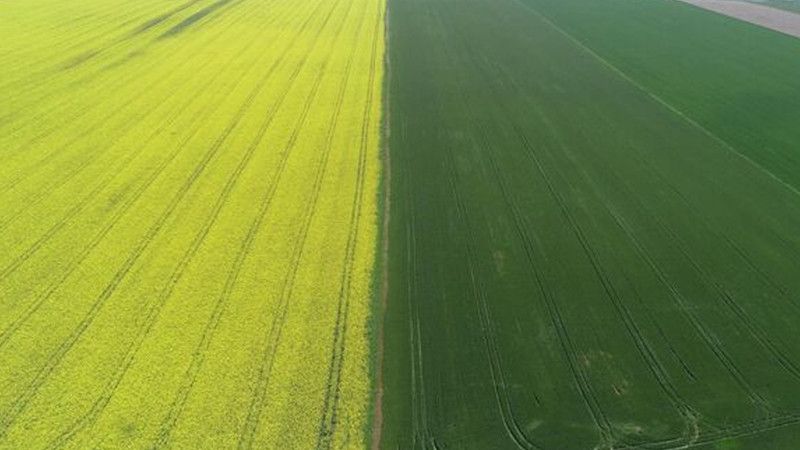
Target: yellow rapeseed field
x: 188, y: 212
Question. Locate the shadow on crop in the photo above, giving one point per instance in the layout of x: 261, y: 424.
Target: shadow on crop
x: 160, y: 19
x: 194, y: 18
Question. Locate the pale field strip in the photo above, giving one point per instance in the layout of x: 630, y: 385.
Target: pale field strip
x: 188, y: 205
x: 776, y: 19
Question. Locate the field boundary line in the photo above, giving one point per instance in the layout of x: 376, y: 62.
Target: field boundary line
x: 655, y: 97
x: 377, y: 406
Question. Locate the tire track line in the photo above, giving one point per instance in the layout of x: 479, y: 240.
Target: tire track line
x: 193, y: 370
x: 421, y: 431
x: 496, y: 370
x: 712, y: 340
x: 258, y: 400
x: 44, y: 193
x: 327, y: 424
x: 502, y: 397
x: 708, y: 337
x: 45, y: 91
x: 419, y: 419
x: 759, y: 333
x: 618, y: 72
x: 484, y: 314
x: 648, y: 354
x: 722, y: 356
x: 420, y: 425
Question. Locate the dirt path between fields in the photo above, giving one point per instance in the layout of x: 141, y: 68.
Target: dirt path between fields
x: 766, y: 16
x: 377, y: 419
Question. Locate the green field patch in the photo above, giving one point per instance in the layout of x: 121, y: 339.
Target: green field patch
x: 575, y: 260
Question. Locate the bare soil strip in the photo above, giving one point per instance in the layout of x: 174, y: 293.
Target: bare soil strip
x: 768, y: 17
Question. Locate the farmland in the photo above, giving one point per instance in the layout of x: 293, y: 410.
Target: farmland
x: 593, y: 238
x: 400, y: 224
x: 188, y: 205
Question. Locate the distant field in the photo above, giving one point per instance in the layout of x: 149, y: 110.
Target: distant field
x: 188, y: 212
x: 764, y: 16
x: 593, y: 240
x: 788, y: 5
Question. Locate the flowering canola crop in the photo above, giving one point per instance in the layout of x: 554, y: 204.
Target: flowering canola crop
x: 188, y: 206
